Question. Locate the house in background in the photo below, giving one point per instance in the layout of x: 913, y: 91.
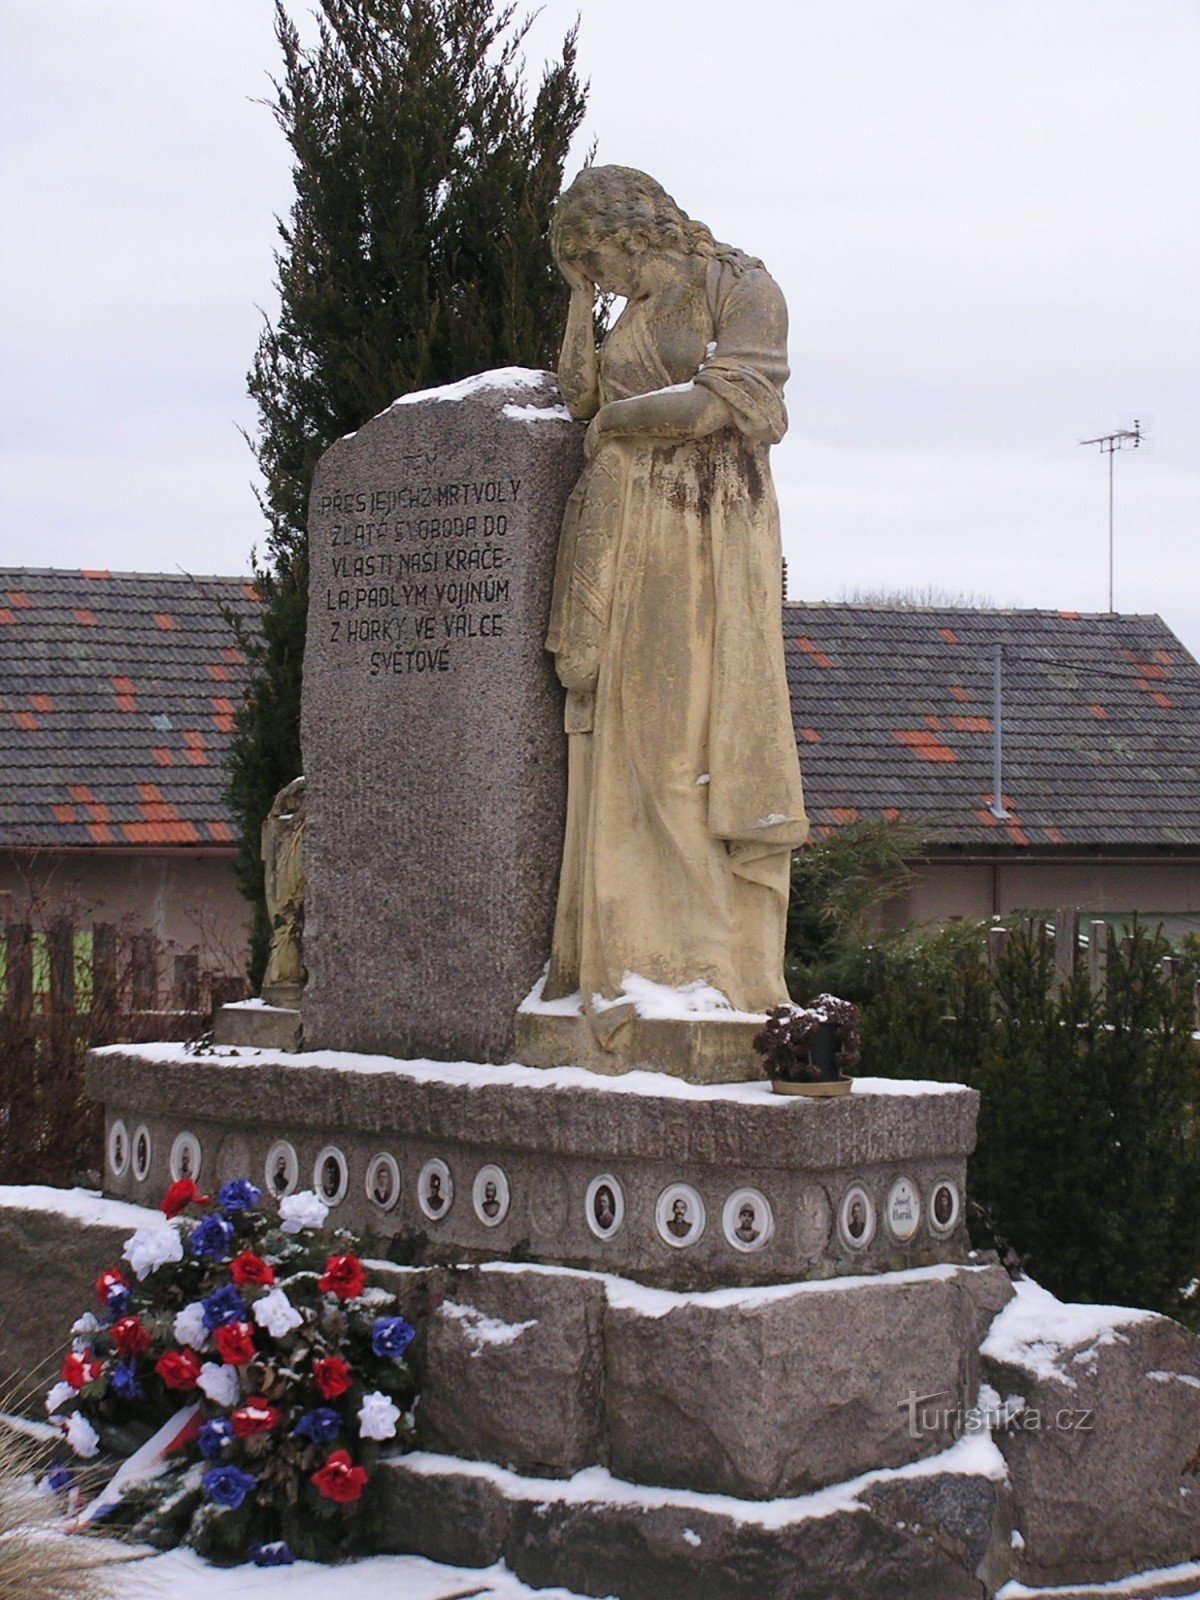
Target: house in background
x: 117, y: 700
x: 118, y: 693
x: 893, y: 710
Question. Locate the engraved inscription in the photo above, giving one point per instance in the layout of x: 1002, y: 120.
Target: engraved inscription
x: 417, y: 572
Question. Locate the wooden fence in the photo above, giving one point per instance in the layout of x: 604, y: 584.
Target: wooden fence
x: 1080, y: 947
x: 66, y: 969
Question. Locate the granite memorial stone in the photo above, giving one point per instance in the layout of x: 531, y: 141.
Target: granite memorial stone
x: 432, y: 722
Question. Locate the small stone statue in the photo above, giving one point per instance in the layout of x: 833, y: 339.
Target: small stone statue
x: 283, y: 863
x: 684, y: 800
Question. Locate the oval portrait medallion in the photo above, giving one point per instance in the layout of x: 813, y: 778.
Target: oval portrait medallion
x: 604, y: 1206
x: 331, y: 1176
x: 118, y: 1149
x: 680, y: 1216
x: 747, y: 1220
x: 383, y: 1181
x: 282, y: 1169
x: 856, y: 1218
x: 903, y: 1210
x: 945, y: 1203
x: 490, y: 1195
x: 142, y: 1149
x: 435, y: 1189
x: 185, y: 1157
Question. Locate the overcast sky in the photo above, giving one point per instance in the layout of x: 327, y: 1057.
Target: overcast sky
x: 984, y: 215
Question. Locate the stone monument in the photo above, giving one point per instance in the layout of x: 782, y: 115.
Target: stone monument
x: 757, y: 1319
x: 431, y: 719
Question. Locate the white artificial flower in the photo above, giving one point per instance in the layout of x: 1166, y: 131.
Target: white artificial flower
x: 219, y: 1383
x: 303, y: 1210
x: 153, y: 1247
x: 189, y: 1326
x: 58, y: 1396
x: 85, y: 1324
x: 377, y: 1417
x: 276, y: 1313
x: 81, y: 1436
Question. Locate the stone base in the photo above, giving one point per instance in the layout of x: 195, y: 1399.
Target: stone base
x: 699, y: 1050
x: 287, y: 996
x: 938, y: 1533
x: 257, y: 1026
x: 585, y: 1171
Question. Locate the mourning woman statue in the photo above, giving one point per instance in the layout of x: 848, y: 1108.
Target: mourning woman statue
x: 283, y: 874
x: 684, y: 799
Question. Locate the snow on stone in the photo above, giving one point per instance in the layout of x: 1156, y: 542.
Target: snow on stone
x: 478, y: 383
x: 474, y: 1074
x: 1174, y: 1377
x: 182, y: 1575
x: 1040, y: 1334
x: 625, y: 1294
x: 480, y: 1331
x: 81, y: 1205
x: 1147, y: 1583
x: 555, y: 413
x: 974, y: 1455
x: 695, y: 999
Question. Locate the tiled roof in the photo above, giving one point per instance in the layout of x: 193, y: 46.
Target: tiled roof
x: 1101, y: 724
x: 117, y: 695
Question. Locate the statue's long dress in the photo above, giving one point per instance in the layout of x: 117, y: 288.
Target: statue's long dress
x: 684, y: 797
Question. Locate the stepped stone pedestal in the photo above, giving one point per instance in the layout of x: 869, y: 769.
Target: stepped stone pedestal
x: 682, y: 1185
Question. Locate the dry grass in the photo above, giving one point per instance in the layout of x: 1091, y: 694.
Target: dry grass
x: 38, y: 1561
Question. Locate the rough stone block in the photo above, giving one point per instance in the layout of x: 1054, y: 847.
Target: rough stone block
x: 875, y: 1540
x: 258, y: 1026
x: 789, y: 1389
x: 432, y: 721
x: 514, y: 1368
x: 53, y: 1246
x: 1111, y: 1414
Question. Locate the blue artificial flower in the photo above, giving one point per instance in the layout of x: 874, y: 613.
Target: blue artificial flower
x: 228, y: 1486
x: 117, y: 1303
x: 391, y: 1337
x: 275, y: 1554
x: 238, y: 1195
x: 223, y: 1305
x: 124, y: 1380
x: 213, y: 1437
x: 212, y: 1236
x: 59, y: 1479
x: 320, y: 1425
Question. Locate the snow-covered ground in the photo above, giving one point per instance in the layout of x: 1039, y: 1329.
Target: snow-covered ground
x: 181, y: 1575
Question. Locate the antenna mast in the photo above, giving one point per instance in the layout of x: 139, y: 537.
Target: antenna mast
x: 1109, y: 444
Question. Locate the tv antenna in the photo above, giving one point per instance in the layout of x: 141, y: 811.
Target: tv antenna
x: 1109, y: 444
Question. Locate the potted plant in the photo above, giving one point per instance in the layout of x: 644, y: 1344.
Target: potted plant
x: 807, y: 1050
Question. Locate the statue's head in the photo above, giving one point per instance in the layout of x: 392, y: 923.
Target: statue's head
x: 621, y: 206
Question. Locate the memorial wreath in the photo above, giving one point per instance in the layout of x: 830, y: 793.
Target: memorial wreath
x: 242, y: 1375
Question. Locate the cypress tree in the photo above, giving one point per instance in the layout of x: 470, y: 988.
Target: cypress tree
x: 415, y: 253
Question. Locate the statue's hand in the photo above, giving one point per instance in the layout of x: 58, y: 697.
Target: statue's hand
x: 577, y: 278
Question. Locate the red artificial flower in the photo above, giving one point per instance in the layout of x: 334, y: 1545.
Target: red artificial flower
x: 180, y: 1195
x: 114, y: 1278
x: 344, y: 1276
x: 81, y: 1367
x: 339, y: 1479
x: 332, y: 1376
x: 249, y: 1268
x: 255, y: 1415
x: 235, y: 1341
x: 130, y: 1336
x: 178, y: 1369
